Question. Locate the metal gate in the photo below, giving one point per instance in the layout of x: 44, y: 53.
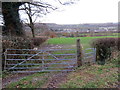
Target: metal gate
x: 89, y: 55
x: 30, y: 60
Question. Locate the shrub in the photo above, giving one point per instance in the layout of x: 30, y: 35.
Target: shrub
x: 49, y: 33
x: 104, y: 47
x: 17, y: 43
x: 53, y: 35
x: 38, y: 40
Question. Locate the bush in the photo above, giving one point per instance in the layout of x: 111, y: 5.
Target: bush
x: 22, y: 43
x: 39, y: 40
x: 17, y: 43
x: 49, y: 33
x: 104, y: 47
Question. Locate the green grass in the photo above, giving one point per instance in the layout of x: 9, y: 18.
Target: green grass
x: 85, y: 41
x: 93, y: 79
x: 95, y: 76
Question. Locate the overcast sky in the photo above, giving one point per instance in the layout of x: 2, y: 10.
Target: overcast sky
x: 85, y: 11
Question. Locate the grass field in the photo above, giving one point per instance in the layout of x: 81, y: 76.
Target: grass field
x: 85, y: 41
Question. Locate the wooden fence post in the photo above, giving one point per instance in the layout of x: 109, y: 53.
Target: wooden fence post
x: 94, y: 55
x: 79, y: 53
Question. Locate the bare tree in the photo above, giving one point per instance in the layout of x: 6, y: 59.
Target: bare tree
x: 28, y: 9
x: 10, y: 12
x: 34, y: 11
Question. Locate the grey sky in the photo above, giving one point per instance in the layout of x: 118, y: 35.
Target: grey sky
x: 85, y: 11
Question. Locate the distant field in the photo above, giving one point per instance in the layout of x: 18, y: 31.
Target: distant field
x: 72, y: 40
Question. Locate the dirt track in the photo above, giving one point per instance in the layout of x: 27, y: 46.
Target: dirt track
x: 13, y: 78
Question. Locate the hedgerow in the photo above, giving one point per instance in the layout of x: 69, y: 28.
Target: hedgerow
x: 105, y: 47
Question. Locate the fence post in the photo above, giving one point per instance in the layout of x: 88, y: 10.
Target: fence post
x: 94, y: 55
x: 5, y: 57
x: 79, y: 53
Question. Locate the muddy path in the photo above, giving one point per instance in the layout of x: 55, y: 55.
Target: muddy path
x: 13, y: 78
x: 56, y: 80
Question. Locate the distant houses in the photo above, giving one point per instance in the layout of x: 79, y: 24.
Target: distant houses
x: 82, y: 28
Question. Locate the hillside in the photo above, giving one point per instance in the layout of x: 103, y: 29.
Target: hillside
x: 97, y: 27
